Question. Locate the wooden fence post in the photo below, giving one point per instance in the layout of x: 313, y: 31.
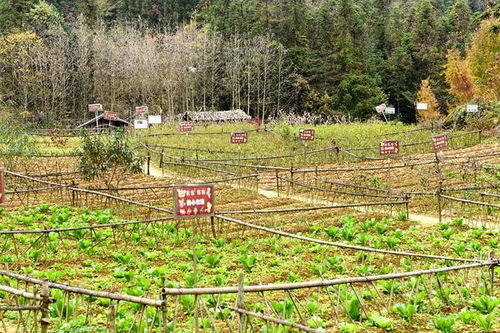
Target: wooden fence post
x: 277, y: 183
x: 212, y: 225
x: 44, y: 320
x: 112, y: 317
x: 161, y: 159
x: 149, y: 162
x: 163, y: 296
x: 241, y: 304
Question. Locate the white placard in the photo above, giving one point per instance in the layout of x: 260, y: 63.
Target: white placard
x: 154, y: 119
x: 390, y: 110
x: 421, y: 106
x: 141, y: 124
x: 472, y: 108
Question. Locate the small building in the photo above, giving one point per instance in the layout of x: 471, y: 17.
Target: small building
x: 99, y: 122
x: 216, y: 116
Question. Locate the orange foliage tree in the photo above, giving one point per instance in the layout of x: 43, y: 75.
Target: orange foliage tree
x: 425, y: 95
x: 458, y: 76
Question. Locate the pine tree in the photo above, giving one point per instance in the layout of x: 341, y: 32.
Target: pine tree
x: 425, y: 95
x: 458, y: 25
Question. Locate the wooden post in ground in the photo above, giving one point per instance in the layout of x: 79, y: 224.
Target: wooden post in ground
x: 241, y: 304
x: 44, y: 320
x: 163, y: 297
x: 112, y: 317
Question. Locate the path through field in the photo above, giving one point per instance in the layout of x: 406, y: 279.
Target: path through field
x: 422, y: 219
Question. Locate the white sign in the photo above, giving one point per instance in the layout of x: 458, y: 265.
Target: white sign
x: 141, y: 124
x: 380, y: 108
x: 390, y: 110
x: 472, y: 108
x: 95, y: 107
x: 421, y: 106
x: 154, y: 119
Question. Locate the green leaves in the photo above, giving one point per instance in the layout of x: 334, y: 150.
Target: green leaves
x: 444, y: 323
x: 406, y: 311
x: 486, y: 304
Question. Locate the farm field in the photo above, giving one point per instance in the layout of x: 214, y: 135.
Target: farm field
x: 325, y: 237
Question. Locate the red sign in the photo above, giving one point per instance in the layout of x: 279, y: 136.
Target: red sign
x: 186, y: 126
x: 439, y: 142
x: 389, y: 147
x: 95, y: 107
x: 2, y: 190
x: 194, y: 200
x: 141, y: 109
x: 306, y: 134
x: 239, y: 137
x: 108, y: 115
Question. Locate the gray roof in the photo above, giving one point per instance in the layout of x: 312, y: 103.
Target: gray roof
x: 218, y: 115
x: 99, y: 117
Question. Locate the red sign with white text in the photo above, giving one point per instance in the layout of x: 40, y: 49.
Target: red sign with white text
x: 439, y: 142
x: 108, y: 115
x: 2, y: 189
x: 141, y: 109
x: 306, y: 134
x: 389, y: 147
x: 186, y: 126
x: 239, y: 137
x: 194, y: 200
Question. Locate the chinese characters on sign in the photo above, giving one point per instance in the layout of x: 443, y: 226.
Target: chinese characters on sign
x: 2, y: 191
x: 95, y: 107
x: 141, y: 124
x: 389, y: 147
x: 141, y: 109
x: 186, y: 126
x: 472, y: 108
x: 239, y: 137
x: 390, y: 110
x: 194, y: 200
x: 108, y: 115
x: 439, y: 142
x: 306, y: 134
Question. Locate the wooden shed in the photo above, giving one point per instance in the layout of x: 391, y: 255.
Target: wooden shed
x: 100, y: 122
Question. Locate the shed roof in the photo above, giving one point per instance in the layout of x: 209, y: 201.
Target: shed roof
x: 100, y: 117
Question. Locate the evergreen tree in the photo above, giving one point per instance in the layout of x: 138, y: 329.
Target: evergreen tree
x: 458, y: 25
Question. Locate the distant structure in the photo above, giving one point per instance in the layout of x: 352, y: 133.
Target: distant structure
x: 99, y: 123
x: 216, y: 116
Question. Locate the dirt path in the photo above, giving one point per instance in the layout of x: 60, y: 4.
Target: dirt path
x: 422, y: 219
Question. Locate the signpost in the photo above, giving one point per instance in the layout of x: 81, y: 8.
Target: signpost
x: 472, y: 108
x: 192, y: 201
x: 154, y: 119
x: 306, y: 134
x: 2, y: 188
x: 389, y: 147
x: 439, y: 142
x: 390, y: 110
x: 186, y: 126
x: 108, y: 115
x: 141, y: 110
x: 239, y: 137
x: 141, y: 124
x: 422, y: 106
x: 96, y: 108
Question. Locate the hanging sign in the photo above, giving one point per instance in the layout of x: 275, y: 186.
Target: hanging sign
x: 95, y: 107
x: 141, y: 124
x: 472, y: 108
x: 239, y: 137
x: 389, y: 147
x: 141, y: 109
x: 194, y: 200
x: 306, y: 134
x: 390, y: 110
x: 154, y: 119
x: 422, y: 106
x: 186, y: 126
x: 2, y: 188
x: 439, y: 142
x: 108, y: 115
